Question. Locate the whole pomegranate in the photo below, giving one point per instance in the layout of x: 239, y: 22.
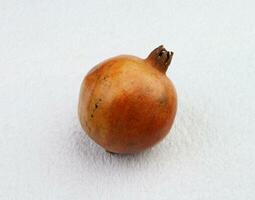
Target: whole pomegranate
x: 128, y: 104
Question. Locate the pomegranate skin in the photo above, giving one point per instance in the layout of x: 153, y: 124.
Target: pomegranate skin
x: 127, y: 104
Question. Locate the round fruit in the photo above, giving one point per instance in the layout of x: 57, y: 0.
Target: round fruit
x: 128, y: 104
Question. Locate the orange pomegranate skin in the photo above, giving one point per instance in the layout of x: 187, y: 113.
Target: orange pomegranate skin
x: 127, y: 104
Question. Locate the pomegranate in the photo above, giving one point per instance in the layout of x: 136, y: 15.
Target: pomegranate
x: 128, y: 104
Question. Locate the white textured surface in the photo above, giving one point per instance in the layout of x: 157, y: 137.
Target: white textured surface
x: 46, y: 47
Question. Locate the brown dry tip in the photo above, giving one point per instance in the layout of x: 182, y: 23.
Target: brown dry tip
x: 161, y: 58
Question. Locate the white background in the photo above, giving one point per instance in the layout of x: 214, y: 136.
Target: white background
x: 46, y: 48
